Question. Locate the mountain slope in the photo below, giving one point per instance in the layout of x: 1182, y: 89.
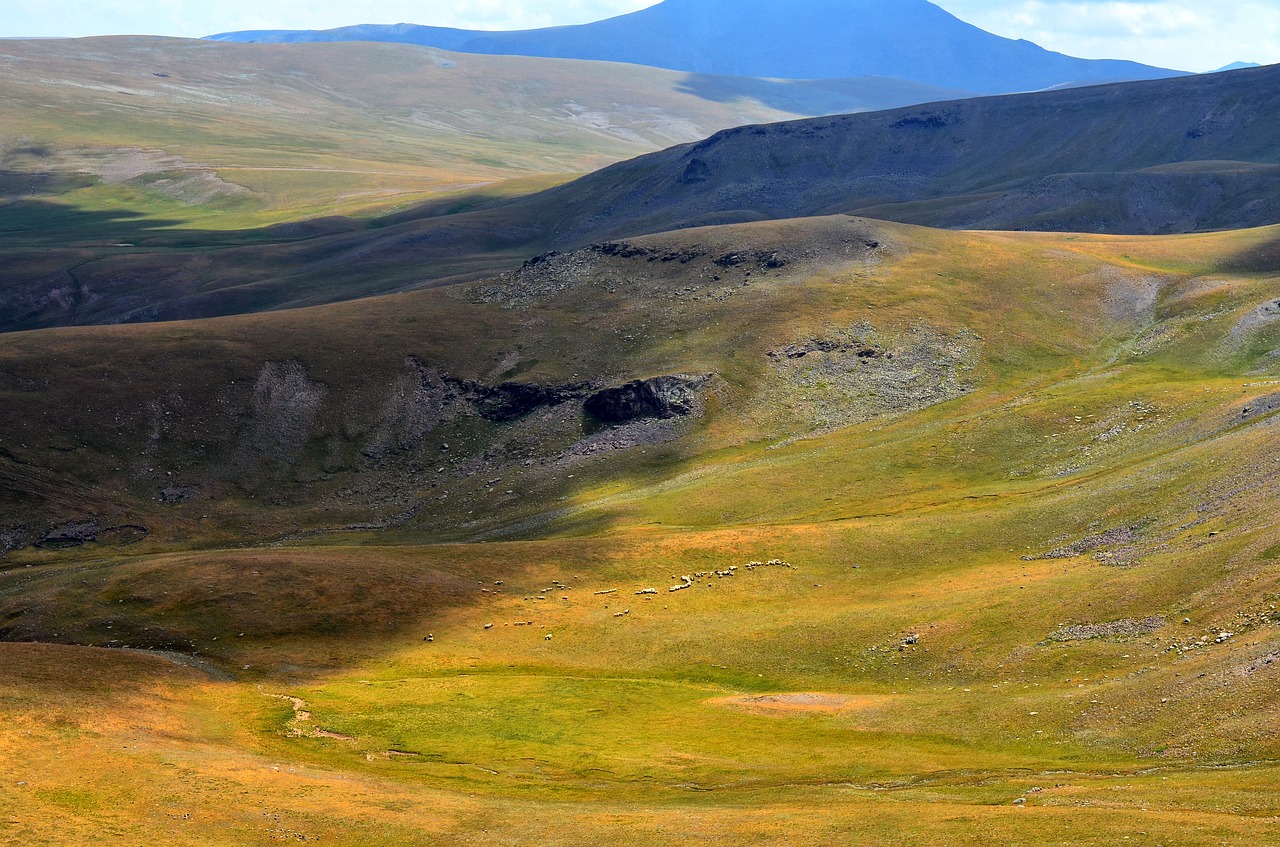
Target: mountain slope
x: 1165, y: 156
x: 1145, y: 157
x: 799, y: 39
x: 228, y: 135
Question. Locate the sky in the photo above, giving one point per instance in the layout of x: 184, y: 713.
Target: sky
x: 1194, y: 35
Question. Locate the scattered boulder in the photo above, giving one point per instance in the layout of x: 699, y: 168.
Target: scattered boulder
x: 286, y: 402
x: 1262, y: 316
x: 14, y: 539
x: 1260, y: 407
x: 858, y: 373
x: 1112, y: 537
x: 764, y: 259
x: 1269, y: 662
x: 175, y: 494
x: 1125, y: 628
x: 825, y: 345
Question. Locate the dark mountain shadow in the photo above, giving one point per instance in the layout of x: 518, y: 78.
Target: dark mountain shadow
x: 40, y: 222
x: 32, y: 215
x: 71, y: 267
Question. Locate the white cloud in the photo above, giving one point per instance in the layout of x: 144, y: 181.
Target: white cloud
x: 1187, y: 34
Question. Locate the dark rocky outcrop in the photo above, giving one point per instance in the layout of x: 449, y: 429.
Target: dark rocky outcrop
x: 662, y: 397
x: 73, y: 534
x: 767, y: 259
x: 79, y: 533
x: 824, y: 345
x: 512, y: 400
x: 695, y: 172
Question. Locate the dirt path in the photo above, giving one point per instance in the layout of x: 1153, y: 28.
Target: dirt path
x: 301, y: 725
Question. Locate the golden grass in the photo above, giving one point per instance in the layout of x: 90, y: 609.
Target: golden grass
x: 905, y: 683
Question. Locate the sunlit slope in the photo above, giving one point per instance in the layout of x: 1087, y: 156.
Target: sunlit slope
x: 1023, y: 486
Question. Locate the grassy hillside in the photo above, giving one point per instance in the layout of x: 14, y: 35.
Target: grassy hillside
x: 206, y: 135
x: 1159, y: 157
x: 1021, y: 485
x: 126, y: 162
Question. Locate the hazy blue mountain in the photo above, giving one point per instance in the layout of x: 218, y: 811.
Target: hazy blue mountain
x: 1237, y: 66
x: 786, y: 39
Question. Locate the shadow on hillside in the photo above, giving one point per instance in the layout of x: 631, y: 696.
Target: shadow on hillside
x: 38, y: 222
x: 1264, y: 258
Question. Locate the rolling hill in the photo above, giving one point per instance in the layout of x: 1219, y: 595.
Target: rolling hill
x: 1166, y: 156
x: 679, y: 503
x: 824, y: 528
x: 800, y: 39
x: 184, y: 133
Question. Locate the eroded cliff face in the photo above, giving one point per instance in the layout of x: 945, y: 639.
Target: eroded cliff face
x: 660, y: 398
x: 283, y: 414
x: 419, y: 447
x: 416, y: 447
x: 466, y: 411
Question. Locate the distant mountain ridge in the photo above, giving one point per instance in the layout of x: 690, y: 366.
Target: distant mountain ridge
x: 799, y: 39
x: 1153, y: 157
